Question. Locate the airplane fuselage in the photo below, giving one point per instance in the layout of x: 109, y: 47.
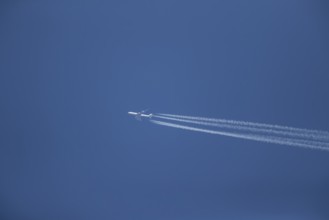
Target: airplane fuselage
x: 140, y: 115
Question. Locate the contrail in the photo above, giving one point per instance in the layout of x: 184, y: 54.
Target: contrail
x: 247, y: 128
x: 251, y: 126
x: 262, y: 138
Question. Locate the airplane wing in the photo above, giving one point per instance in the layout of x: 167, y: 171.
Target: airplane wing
x: 144, y: 111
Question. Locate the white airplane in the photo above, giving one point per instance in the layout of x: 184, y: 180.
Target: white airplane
x: 140, y: 115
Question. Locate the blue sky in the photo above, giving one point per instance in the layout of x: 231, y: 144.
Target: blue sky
x: 71, y: 70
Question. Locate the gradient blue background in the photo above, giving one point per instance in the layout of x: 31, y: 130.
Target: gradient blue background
x: 70, y: 71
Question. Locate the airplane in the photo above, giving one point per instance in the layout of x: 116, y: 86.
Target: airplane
x: 140, y: 115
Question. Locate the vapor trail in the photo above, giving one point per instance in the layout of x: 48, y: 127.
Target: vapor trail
x: 252, y: 126
x: 247, y: 128
x: 268, y: 139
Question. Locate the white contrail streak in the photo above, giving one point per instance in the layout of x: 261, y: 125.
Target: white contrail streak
x: 244, y: 125
x: 245, y: 128
x: 268, y: 139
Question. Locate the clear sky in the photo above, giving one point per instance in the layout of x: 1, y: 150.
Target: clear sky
x: 71, y: 70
